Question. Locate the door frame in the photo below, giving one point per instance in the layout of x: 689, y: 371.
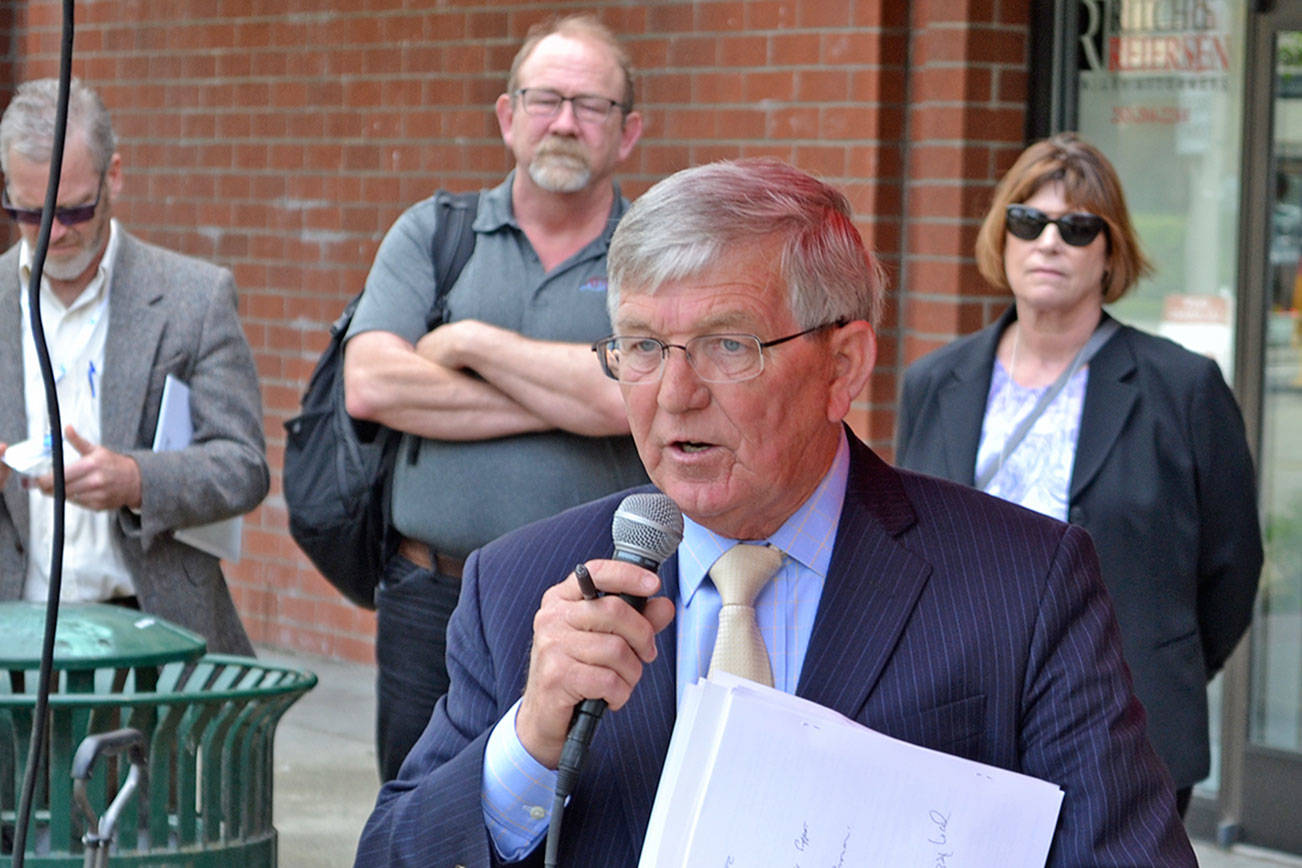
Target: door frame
x: 1260, y: 786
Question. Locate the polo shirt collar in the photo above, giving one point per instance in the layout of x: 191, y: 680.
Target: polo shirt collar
x: 496, y: 211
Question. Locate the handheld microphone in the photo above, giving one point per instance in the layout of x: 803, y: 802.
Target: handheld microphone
x: 646, y: 530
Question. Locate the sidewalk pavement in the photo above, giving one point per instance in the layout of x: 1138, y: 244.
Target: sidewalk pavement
x: 326, y: 777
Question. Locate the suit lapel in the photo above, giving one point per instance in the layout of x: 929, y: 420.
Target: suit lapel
x: 1109, y: 399
x: 961, y: 402
x: 962, y: 399
x: 640, y: 730
x: 134, y: 323
x: 13, y: 422
x: 860, y: 617
x: 872, y: 586
x: 13, y: 425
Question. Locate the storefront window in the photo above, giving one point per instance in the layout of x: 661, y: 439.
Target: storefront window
x: 1276, y: 716
x: 1161, y: 85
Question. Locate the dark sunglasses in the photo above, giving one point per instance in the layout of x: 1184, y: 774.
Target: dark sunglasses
x: 1077, y: 228
x: 70, y: 216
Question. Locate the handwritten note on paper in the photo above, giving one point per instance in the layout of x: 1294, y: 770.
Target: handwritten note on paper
x: 758, y: 777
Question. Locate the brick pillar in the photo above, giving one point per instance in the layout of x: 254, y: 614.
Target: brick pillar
x: 967, y: 107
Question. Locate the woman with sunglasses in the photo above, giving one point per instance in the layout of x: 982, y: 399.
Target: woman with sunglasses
x: 1058, y: 407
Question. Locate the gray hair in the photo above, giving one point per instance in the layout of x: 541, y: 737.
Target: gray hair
x: 28, y: 123
x: 687, y: 222
x: 584, y: 27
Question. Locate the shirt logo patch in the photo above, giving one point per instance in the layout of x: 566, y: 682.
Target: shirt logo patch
x: 593, y: 284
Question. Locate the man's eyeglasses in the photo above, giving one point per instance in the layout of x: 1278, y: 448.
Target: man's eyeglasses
x: 1077, y: 228
x: 723, y: 358
x: 70, y: 216
x: 542, y: 102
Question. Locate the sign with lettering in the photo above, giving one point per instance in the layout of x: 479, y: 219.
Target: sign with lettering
x: 1160, y: 82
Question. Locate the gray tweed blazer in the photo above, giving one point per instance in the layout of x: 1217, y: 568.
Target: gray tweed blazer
x: 168, y: 314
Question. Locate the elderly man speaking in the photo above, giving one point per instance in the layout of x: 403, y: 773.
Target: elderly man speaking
x: 744, y: 303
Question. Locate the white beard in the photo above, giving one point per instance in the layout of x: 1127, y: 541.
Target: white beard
x: 560, y: 169
x: 70, y: 268
x: 74, y: 266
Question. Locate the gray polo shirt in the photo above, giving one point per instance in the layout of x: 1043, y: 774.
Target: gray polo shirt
x: 458, y: 495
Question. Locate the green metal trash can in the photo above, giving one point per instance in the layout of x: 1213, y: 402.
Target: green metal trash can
x: 209, y: 721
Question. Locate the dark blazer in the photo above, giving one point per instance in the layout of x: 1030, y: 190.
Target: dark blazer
x: 948, y: 618
x: 168, y: 314
x: 1164, y: 483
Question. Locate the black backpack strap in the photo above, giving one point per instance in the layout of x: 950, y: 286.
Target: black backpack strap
x: 454, y: 241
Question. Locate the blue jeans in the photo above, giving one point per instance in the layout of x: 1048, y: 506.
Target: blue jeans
x: 413, y: 606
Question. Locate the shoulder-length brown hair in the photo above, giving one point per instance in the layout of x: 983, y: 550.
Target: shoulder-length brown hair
x: 1090, y: 184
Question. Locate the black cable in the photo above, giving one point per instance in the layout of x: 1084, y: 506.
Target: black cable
x: 552, y: 854
x: 646, y: 529
x: 573, y: 754
x: 36, y: 749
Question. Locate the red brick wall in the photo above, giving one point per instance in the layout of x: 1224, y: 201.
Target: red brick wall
x: 283, y: 144
x: 967, y: 111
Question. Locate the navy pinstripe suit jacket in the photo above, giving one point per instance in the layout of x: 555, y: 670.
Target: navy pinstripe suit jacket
x: 949, y: 618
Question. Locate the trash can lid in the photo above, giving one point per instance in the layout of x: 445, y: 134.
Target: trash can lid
x: 92, y: 635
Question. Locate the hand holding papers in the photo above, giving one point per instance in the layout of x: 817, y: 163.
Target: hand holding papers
x: 175, y: 431
x: 34, y: 457
x: 755, y: 776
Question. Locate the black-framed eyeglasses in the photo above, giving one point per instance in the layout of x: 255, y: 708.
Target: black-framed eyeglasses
x: 543, y: 102
x: 69, y: 216
x: 721, y: 358
x: 1078, y: 228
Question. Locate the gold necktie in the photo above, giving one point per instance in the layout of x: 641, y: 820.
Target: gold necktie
x: 740, y: 574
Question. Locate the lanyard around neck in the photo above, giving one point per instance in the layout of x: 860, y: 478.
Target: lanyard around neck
x: 1107, y: 327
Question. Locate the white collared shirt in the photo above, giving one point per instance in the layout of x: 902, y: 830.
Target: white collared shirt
x: 93, y: 566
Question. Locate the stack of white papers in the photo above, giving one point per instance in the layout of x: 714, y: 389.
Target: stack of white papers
x: 221, y: 539
x: 755, y: 776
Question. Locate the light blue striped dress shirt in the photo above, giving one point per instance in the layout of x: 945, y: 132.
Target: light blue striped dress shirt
x: 517, y: 789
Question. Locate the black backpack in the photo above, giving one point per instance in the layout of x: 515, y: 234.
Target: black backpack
x: 338, y: 470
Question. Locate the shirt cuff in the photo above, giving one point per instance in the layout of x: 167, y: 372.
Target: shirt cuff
x: 517, y: 792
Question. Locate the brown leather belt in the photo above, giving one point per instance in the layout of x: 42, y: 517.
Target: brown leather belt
x: 419, y: 554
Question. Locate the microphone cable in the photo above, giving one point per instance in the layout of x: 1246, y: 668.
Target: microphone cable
x: 40, y: 714
x: 587, y: 714
x: 646, y: 530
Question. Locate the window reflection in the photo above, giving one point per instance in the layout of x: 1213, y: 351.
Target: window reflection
x: 1277, y: 645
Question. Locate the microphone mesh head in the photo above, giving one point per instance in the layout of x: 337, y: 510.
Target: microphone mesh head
x: 648, y: 524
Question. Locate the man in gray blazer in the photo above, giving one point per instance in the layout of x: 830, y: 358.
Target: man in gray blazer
x: 119, y: 316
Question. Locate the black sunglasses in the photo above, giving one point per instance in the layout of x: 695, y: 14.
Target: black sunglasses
x: 70, y: 216
x: 1077, y: 228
